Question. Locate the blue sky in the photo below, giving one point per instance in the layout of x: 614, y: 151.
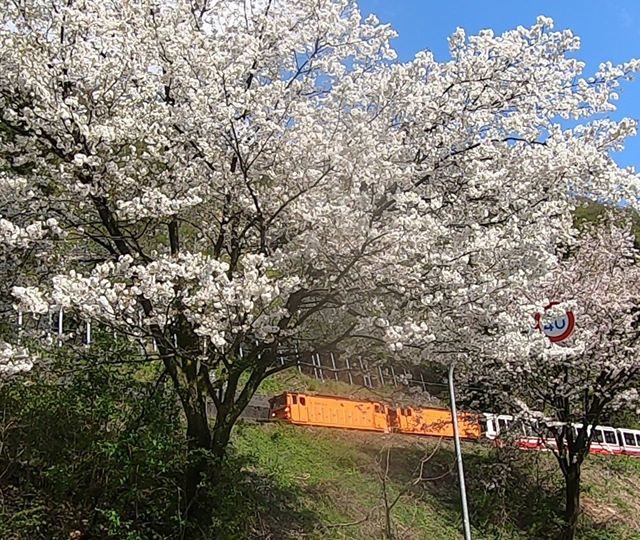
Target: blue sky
x: 608, y: 30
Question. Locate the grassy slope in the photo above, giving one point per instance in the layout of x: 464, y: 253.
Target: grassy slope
x: 325, y: 484
x: 333, y: 485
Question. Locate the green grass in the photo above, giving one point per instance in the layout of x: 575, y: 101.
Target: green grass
x: 333, y: 480
x: 334, y: 490
x: 337, y: 477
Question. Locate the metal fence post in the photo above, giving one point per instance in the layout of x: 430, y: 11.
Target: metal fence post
x: 297, y: 353
x: 333, y: 364
x: 381, y: 375
x: 349, y: 371
x: 319, y: 362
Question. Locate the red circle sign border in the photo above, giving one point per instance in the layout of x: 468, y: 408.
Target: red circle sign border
x: 571, y: 324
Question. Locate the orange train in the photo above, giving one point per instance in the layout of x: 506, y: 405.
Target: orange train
x: 344, y: 413
x: 337, y: 412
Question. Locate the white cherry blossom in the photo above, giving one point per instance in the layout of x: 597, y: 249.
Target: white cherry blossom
x: 584, y: 379
x: 256, y: 176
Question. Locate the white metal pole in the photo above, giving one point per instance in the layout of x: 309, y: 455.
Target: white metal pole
x: 456, y: 437
x: 19, y: 327
x: 60, y: 321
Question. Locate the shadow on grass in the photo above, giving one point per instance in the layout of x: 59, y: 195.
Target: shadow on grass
x: 260, y: 510
x: 511, y: 494
x: 249, y: 505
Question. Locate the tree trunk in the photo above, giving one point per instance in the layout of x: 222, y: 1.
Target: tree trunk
x: 572, y: 501
x: 207, y: 445
x: 198, y: 443
x: 227, y: 415
x: 221, y: 436
x: 198, y: 433
x: 234, y: 402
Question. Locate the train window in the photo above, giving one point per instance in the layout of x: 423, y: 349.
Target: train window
x: 638, y: 439
x: 629, y: 439
x: 303, y: 401
x: 610, y: 437
x: 376, y: 408
x: 597, y: 436
x: 503, y: 424
x: 408, y: 413
x: 279, y: 401
x: 294, y: 399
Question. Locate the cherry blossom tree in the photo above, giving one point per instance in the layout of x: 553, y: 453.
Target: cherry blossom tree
x: 19, y: 255
x: 229, y: 178
x: 580, y: 382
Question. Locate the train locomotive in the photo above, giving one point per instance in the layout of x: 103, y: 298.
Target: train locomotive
x: 376, y: 416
